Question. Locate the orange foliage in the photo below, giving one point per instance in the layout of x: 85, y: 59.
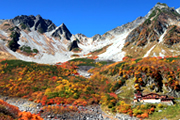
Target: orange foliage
x: 18, y: 114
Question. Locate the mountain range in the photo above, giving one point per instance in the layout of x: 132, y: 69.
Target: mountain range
x: 32, y: 38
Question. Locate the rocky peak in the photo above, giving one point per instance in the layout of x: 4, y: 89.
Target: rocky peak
x: 36, y: 22
x: 96, y: 37
x: 24, y: 19
x: 161, y: 5
x: 62, y: 30
x: 157, y: 22
x: 158, y: 6
x: 43, y: 25
x: 80, y: 35
x: 38, y: 17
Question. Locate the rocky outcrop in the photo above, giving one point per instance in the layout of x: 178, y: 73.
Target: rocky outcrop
x: 43, y: 25
x: 38, y: 23
x: 1, y: 21
x: 96, y: 37
x: 81, y: 37
x: 26, y: 20
x: 62, y: 30
x: 73, y: 45
x: 128, y: 26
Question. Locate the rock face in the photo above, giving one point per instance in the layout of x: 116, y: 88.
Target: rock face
x: 128, y: 26
x: 27, y: 20
x: 62, y: 30
x: 38, y: 23
x: 1, y: 21
x: 96, y: 37
x: 73, y: 45
x: 42, y: 25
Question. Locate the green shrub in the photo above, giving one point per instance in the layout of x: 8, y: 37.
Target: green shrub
x: 6, y: 24
x: 13, y: 45
x: 147, y: 21
x: 76, y: 49
x: 53, y: 95
x: 152, y: 14
x: 35, y: 51
x: 162, y: 4
x: 23, y: 26
x: 41, y: 30
x: 11, y: 29
x: 28, y: 50
x: 35, y: 89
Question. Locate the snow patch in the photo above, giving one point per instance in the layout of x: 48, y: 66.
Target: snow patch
x: 154, y: 54
x: 178, y: 10
x: 163, y: 51
x: 162, y: 55
x: 149, y: 51
x: 3, y: 33
x: 162, y: 36
x: 115, y: 50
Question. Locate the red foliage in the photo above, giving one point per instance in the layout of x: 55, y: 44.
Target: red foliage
x: 54, y: 77
x: 125, y: 58
x: 145, y: 115
x: 152, y: 109
x: 113, y: 95
x: 107, y: 82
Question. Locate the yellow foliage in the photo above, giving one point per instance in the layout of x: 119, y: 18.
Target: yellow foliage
x: 136, y: 85
x: 19, y: 79
x: 59, y: 88
x: 48, y: 90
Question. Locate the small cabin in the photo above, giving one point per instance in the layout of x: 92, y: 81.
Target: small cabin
x: 153, y: 98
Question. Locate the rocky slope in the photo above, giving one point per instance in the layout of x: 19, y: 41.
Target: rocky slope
x: 33, y: 38
x: 159, y: 32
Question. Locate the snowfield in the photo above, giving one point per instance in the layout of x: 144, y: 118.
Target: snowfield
x: 114, y: 52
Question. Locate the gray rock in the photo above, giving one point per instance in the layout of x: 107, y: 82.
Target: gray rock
x: 73, y: 45
x: 1, y: 21
x: 38, y: 23
x: 62, y: 30
x: 96, y: 37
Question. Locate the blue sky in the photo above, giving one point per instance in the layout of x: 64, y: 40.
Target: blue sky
x: 88, y: 17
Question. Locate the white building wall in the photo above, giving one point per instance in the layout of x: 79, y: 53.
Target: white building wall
x: 152, y: 101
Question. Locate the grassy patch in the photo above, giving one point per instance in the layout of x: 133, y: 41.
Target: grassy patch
x: 170, y: 113
x: 100, y: 51
x: 28, y: 49
x: 82, y: 59
x: 127, y: 93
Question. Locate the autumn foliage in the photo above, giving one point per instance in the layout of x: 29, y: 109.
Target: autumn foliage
x: 62, y: 84
x: 10, y: 112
